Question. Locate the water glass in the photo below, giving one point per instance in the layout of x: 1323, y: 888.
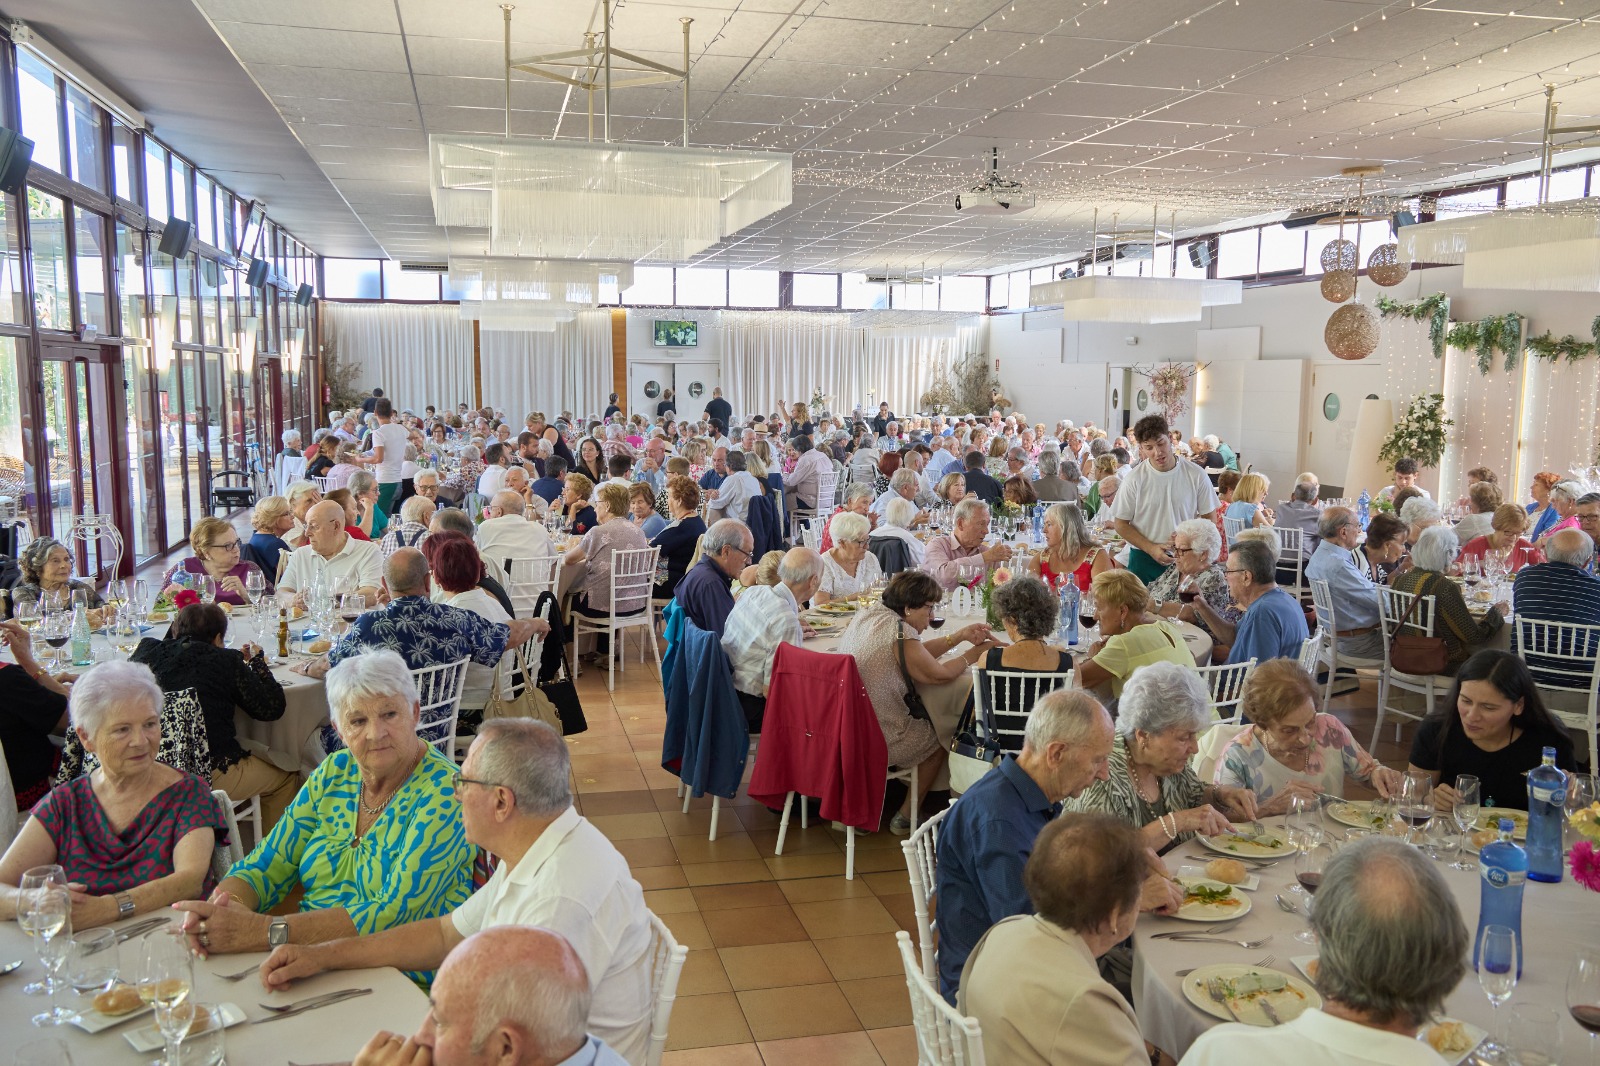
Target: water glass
x: 1497, y: 976
x: 92, y: 961
x: 1535, y: 1035
x: 51, y: 1052
x: 204, y: 1044
x: 46, y: 913
x: 1465, y: 814
x: 31, y: 881
x: 255, y: 586
x: 141, y: 597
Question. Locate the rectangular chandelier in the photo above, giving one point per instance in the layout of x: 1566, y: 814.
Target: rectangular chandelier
x: 1553, y: 247
x: 566, y: 284
x: 1138, y: 300
x: 582, y: 200
x: 522, y: 316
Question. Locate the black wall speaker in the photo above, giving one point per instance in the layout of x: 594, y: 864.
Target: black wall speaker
x: 175, y: 238
x: 1200, y: 254
x: 16, y: 152
x: 1401, y: 218
x: 302, y: 295
x: 257, y: 276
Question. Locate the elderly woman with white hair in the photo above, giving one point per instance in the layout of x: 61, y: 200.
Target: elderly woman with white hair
x: 1431, y: 560
x: 373, y: 839
x: 858, y: 497
x: 899, y: 515
x: 1420, y: 513
x: 1196, y: 575
x: 848, y: 568
x: 133, y: 834
x: 1564, y: 500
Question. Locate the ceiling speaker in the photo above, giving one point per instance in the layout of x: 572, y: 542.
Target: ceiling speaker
x: 1200, y: 254
x: 257, y: 275
x: 16, y: 152
x: 175, y: 238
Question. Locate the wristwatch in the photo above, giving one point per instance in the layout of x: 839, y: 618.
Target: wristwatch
x: 125, y: 907
x: 278, y: 932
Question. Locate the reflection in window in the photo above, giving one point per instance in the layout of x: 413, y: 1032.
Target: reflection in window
x: 124, y: 143
x: 144, y: 464
x: 52, y: 287
x: 859, y: 294
x: 41, y: 119
x: 12, y: 299
x: 15, y: 473
x: 83, y: 136
x: 155, y: 181
x: 91, y: 272
x: 350, y: 279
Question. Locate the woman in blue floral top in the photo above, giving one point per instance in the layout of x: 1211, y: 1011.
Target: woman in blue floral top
x: 374, y: 838
x: 1289, y: 749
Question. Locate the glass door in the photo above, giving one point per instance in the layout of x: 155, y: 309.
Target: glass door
x: 81, y: 451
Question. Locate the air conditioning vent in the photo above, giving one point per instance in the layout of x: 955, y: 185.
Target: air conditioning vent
x: 424, y: 268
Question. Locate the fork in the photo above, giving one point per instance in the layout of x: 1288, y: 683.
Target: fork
x: 312, y: 1001
x: 1247, y: 944
x: 1268, y: 961
x: 240, y: 976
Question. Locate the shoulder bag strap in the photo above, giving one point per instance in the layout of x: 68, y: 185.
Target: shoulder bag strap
x: 1416, y: 598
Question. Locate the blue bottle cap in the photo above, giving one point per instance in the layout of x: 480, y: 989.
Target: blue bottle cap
x: 1549, y: 753
x: 1507, y: 825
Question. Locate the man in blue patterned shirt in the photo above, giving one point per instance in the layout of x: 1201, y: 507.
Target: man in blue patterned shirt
x: 423, y: 632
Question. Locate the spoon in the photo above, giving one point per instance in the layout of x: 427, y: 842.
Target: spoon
x: 1290, y: 907
x: 7, y: 967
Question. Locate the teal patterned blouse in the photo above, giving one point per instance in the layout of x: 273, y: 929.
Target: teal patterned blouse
x: 414, y: 863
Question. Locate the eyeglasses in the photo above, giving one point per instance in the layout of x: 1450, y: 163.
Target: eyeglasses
x: 457, y: 779
x: 1185, y: 551
x: 1235, y: 571
x: 231, y: 546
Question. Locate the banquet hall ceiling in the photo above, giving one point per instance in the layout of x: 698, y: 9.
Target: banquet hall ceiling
x: 1214, y: 109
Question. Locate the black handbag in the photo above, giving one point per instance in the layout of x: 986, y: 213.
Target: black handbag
x: 914, y: 705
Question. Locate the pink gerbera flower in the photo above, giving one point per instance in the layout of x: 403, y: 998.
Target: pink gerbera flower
x: 1586, y: 865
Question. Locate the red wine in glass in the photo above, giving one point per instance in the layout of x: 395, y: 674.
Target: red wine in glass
x: 1310, y: 881
x: 935, y: 622
x: 1187, y: 595
x: 1416, y: 818
x: 1086, y: 620
x: 1588, y: 1017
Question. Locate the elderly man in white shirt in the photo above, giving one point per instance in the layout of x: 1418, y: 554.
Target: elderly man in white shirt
x: 763, y: 617
x: 902, y: 485
x: 509, y: 535
x: 732, y: 498
x: 1393, y: 946
x: 556, y: 871
x: 334, y: 554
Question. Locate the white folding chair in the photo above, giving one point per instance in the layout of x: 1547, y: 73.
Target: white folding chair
x: 1308, y: 653
x: 290, y: 468
x: 921, y: 850
x: 944, y: 1036
x: 633, y: 576
x: 666, y: 966
x: 1210, y: 746
x: 514, y: 682
x: 526, y: 579
x: 439, y: 688
x: 1328, y: 643
x: 1291, y: 553
x: 224, y: 855
x: 1564, y: 658
x: 1015, y: 690
x: 1226, y: 683
x: 1232, y: 527
x: 321, y: 483
x: 1430, y: 686
x: 908, y: 776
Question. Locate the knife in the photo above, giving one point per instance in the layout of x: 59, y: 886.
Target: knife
x: 149, y: 925
x: 322, y: 1001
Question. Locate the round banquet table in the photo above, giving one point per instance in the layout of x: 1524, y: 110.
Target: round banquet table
x: 328, y: 1034
x: 1550, y: 915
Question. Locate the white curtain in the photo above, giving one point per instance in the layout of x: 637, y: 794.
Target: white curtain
x: 568, y: 369
x: 422, y: 353
x: 417, y: 353
x: 1560, y: 419
x: 777, y: 355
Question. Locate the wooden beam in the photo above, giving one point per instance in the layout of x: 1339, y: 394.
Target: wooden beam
x: 619, y: 355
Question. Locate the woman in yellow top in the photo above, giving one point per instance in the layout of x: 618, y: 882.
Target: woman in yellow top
x: 1130, y: 636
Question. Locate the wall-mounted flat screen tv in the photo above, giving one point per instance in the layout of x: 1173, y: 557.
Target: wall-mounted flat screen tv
x: 670, y: 334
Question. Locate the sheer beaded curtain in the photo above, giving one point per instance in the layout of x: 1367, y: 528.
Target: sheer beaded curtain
x: 773, y: 355
x: 421, y: 354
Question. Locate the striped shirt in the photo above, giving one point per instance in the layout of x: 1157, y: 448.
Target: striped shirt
x: 1556, y: 592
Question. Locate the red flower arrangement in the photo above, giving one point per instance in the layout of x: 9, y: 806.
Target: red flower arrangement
x: 1585, y: 863
x: 184, y: 597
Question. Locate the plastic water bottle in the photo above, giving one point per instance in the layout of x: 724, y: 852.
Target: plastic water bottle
x: 1038, y: 523
x: 82, y: 652
x: 1505, y: 869
x: 1364, y: 507
x: 1067, y: 627
x: 1547, y: 796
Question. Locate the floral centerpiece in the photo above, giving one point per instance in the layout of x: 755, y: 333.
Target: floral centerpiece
x: 819, y: 402
x: 984, y: 585
x: 1420, y: 433
x: 1584, y: 859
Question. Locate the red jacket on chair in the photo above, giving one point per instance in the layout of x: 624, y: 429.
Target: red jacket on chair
x: 820, y: 738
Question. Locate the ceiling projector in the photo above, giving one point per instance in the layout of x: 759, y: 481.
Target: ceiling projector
x: 994, y: 195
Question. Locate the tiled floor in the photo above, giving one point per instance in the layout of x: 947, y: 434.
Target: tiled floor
x: 789, y: 963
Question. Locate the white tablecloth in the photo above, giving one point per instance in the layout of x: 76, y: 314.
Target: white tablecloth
x: 1555, y: 920
x: 329, y: 1034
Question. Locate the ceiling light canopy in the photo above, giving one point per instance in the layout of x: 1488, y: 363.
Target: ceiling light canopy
x: 575, y: 200
x: 565, y: 283
x: 515, y: 315
x: 1139, y: 300
x: 1548, y: 247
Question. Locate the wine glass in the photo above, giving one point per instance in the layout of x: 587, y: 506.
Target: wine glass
x: 31, y: 881
x: 1465, y: 813
x: 204, y: 587
x: 1416, y: 799
x: 1583, y: 995
x: 255, y: 586
x: 92, y: 961
x: 116, y: 593
x: 56, y: 629
x: 141, y: 597
x: 47, y: 913
x: 1497, y: 976
x: 26, y: 613
x: 1308, y: 866
x: 166, y: 979
x: 1301, y: 828
x: 205, y: 1044
x: 123, y: 629
x: 351, y: 607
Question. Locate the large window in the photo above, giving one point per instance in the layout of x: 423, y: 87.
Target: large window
x: 155, y: 181
x: 15, y: 461
x: 752, y: 288
x: 90, y: 229
x: 351, y: 279
x: 702, y: 288
x: 124, y: 164
x: 39, y: 100
x: 406, y: 285
x: 652, y: 286
x: 1239, y: 254
x: 52, y: 284
x: 816, y: 290
x: 13, y: 300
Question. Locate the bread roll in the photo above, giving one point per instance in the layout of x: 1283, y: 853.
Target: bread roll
x: 1449, y: 1038
x: 319, y: 646
x: 1228, y: 871
x: 118, y: 1000
x: 1483, y: 836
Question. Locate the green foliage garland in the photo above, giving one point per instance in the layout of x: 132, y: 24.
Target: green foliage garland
x: 1506, y: 334
x: 1434, y: 310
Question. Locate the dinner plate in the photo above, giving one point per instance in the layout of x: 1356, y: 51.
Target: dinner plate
x: 1195, y: 911
x: 1306, y: 964
x: 1233, y: 844
x: 1473, y: 1034
x: 1358, y: 814
x: 838, y: 608
x: 92, y: 1021
x: 1198, y: 873
x: 1490, y: 819
x: 148, y: 1038
x: 1289, y: 1003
